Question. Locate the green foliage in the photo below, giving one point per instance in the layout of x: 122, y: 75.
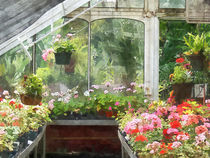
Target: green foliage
x: 200, y: 77
x: 181, y: 75
x: 63, y: 45
x: 32, y: 85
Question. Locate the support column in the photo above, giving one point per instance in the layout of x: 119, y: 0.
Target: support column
x: 151, y: 58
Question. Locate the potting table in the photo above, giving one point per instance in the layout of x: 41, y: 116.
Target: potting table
x: 125, y: 149
x: 40, y: 140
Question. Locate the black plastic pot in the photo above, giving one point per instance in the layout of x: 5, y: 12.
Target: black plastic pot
x: 62, y: 58
x: 23, y: 141
x: 32, y: 135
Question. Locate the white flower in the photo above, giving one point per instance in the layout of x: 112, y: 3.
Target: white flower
x: 60, y: 99
x: 45, y: 94
x: 16, y: 92
x: 86, y: 93
x: 5, y: 93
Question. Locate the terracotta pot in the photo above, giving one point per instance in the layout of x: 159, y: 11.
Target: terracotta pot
x: 29, y: 100
x: 62, y: 58
x: 182, y: 91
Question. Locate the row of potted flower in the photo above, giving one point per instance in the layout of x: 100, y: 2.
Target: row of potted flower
x: 19, y: 122
x: 105, y: 100
x: 166, y: 130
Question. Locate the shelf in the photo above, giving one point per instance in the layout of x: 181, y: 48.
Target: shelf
x: 84, y: 122
x: 31, y: 147
x: 125, y: 146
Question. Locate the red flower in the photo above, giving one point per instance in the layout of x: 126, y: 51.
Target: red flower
x: 170, y: 146
x: 3, y: 114
x: 163, y: 151
x: 163, y: 145
x: 11, y: 102
x: 20, y: 106
x: 201, y: 129
x: 175, y: 124
x: 40, y: 103
x: 180, y: 60
x: 16, y: 123
x: 141, y: 138
x: 2, y: 124
x: 109, y: 113
x: 166, y: 135
x: 134, y: 131
x: 1, y: 99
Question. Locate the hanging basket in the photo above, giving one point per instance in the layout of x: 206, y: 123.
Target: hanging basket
x: 182, y: 91
x: 62, y: 58
x: 29, y: 100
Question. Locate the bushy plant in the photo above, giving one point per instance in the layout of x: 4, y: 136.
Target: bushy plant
x: 31, y: 86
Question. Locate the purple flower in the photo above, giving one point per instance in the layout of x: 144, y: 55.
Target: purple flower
x: 95, y: 86
x: 133, y: 83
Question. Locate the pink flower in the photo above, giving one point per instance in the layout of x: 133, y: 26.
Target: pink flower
x: 69, y: 35
x: 207, y: 125
x: 133, y: 83
x: 176, y: 144
x: 117, y: 103
x: 107, y: 84
x: 91, y: 90
x: 106, y: 91
x: 182, y: 137
x: 58, y: 36
x: 44, y: 56
x: 174, y: 116
x: 134, y: 91
x: 2, y: 132
x: 76, y: 95
x: 172, y: 131
x: 95, y: 86
x: 131, y: 125
x: 5, y: 93
x: 153, y: 147
x: 200, y: 139
x: 128, y: 89
x: 110, y: 108
x: 50, y: 104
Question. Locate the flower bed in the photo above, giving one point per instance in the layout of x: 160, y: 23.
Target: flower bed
x: 19, y: 123
x: 164, y: 130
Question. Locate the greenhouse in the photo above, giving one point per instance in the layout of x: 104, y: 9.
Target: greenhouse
x: 105, y: 79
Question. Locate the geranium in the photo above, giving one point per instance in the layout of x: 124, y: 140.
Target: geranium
x: 1, y: 99
x: 117, y: 103
x: 135, y: 131
x: 163, y: 152
x: 175, y: 124
x: 141, y: 138
x: 201, y: 129
x: 153, y: 147
x: 172, y: 131
x: 183, y: 136
x: 180, y: 60
x: 176, y: 144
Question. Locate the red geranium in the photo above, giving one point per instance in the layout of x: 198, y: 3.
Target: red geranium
x: 11, y: 102
x: 141, y: 138
x: 1, y: 99
x: 175, y: 124
x: 180, y: 60
x: 134, y: 131
x: 163, y: 151
x: 166, y: 135
x: 201, y: 129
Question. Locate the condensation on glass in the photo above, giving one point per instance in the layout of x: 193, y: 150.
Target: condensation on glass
x: 117, y: 51
x: 63, y: 77
x: 172, y: 3
x: 13, y: 66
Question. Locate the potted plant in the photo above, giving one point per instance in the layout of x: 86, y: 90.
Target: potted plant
x: 62, y: 49
x: 181, y: 80
x: 199, y: 50
x: 31, y: 90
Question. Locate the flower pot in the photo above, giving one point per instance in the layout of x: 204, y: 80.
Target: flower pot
x: 197, y: 62
x: 182, y: 91
x: 70, y: 67
x: 29, y: 100
x: 62, y: 58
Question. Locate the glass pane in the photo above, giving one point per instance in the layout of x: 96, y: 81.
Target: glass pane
x: 13, y: 66
x: 105, y: 3
x: 117, y: 51
x: 172, y: 3
x: 63, y: 77
x: 131, y: 3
